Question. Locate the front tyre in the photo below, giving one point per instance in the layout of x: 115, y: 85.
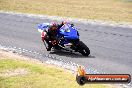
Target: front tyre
x: 83, y: 49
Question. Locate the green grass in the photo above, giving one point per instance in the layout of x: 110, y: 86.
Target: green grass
x: 39, y: 76
x: 107, y: 10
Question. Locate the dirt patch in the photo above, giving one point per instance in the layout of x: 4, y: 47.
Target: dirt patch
x: 1, y: 55
x: 13, y: 72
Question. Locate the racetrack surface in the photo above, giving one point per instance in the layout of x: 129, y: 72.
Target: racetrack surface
x: 111, y: 47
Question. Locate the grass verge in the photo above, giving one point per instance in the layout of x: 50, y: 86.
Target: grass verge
x: 35, y: 75
x: 107, y: 10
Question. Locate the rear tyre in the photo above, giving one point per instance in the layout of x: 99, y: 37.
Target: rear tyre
x: 83, y: 49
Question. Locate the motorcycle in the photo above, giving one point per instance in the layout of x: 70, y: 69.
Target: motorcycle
x: 67, y: 39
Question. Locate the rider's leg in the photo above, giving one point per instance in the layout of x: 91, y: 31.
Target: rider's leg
x: 49, y: 44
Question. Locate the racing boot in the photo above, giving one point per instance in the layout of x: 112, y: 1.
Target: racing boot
x: 49, y: 48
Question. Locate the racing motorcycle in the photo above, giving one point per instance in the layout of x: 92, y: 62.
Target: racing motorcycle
x: 67, y: 39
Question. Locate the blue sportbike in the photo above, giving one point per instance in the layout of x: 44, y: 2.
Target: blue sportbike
x: 68, y: 39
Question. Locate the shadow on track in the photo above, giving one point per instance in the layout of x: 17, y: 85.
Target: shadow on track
x: 69, y: 54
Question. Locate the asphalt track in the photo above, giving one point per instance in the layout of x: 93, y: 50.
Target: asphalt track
x: 111, y: 47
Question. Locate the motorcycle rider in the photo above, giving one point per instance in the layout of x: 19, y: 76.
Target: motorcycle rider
x: 51, y: 33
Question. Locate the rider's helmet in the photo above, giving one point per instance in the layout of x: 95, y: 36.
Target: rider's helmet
x: 53, y: 26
